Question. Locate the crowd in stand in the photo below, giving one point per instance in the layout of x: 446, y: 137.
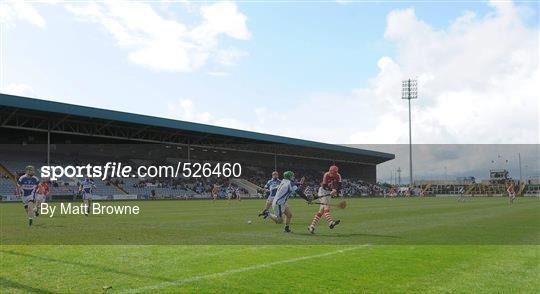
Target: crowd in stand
x: 256, y: 175
x: 259, y: 176
x: 358, y: 187
x: 350, y: 187
x: 196, y: 185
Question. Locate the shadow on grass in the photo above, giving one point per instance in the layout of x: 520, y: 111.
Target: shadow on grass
x: 6, y: 284
x: 86, y: 265
x: 348, y: 235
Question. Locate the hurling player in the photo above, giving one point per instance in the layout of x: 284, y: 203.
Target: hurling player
x: 330, y: 186
x: 26, y: 188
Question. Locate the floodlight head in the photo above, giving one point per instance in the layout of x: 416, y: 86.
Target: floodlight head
x: 409, y: 89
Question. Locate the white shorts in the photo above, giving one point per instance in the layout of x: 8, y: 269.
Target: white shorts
x: 40, y: 197
x: 26, y: 199
x: 87, y: 196
x: 324, y: 195
x: 279, y: 209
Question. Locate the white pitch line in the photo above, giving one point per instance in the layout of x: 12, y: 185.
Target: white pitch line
x: 235, y: 271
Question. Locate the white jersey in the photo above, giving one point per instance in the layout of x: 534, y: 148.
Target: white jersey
x: 284, y: 191
x: 87, y: 185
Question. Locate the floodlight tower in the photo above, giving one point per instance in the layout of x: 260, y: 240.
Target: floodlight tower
x: 409, y: 90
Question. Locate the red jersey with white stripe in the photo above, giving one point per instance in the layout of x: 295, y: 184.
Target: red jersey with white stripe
x: 42, y: 188
x: 331, y: 181
x: 511, y: 190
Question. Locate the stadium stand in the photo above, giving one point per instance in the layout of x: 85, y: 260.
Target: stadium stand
x: 36, y: 132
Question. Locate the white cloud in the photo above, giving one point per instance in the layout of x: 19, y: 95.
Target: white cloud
x: 13, y: 10
x: 218, y: 73
x: 18, y: 89
x: 183, y: 109
x: 221, y: 18
x: 229, y: 56
x: 165, y: 44
x: 478, y: 79
x: 383, y: 133
x: 479, y: 82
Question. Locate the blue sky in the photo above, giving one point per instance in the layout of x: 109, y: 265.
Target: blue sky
x: 320, y: 71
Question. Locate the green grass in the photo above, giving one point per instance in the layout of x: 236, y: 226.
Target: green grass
x: 365, y: 221
x: 483, y: 245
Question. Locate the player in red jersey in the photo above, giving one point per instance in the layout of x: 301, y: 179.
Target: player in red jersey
x: 511, y: 190
x: 42, y: 191
x: 215, y: 191
x: 330, y: 186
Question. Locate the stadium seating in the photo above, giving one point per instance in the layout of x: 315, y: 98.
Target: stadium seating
x: 7, y: 187
x: 252, y: 178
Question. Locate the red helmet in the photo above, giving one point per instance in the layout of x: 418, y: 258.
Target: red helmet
x: 333, y: 169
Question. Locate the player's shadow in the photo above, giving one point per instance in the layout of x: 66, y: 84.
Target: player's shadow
x: 86, y: 265
x: 21, y: 287
x: 350, y: 235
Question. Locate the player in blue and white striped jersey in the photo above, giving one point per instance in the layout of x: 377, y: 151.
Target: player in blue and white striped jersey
x: 26, y: 188
x: 271, y: 188
x: 86, y: 188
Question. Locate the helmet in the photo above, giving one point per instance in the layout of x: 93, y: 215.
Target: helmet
x: 29, y: 169
x: 333, y: 169
x: 288, y: 175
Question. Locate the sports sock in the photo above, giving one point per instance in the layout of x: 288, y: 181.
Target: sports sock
x: 328, y: 216
x: 316, y: 219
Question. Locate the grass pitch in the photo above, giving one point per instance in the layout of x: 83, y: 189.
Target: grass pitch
x: 483, y: 245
